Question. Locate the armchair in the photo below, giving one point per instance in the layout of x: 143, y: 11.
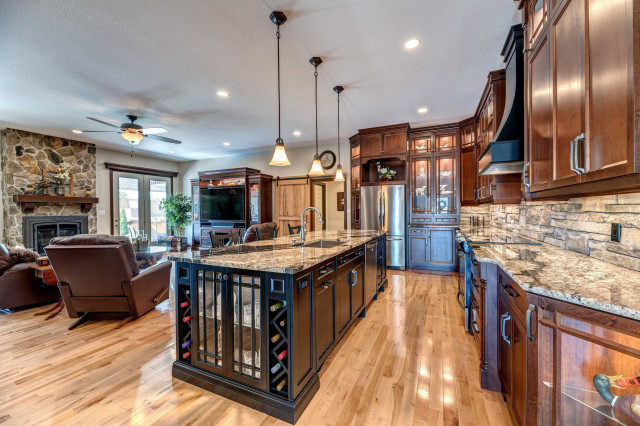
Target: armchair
x: 99, y: 278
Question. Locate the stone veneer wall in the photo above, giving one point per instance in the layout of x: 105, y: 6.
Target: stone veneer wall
x: 23, y: 156
x: 578, y: 224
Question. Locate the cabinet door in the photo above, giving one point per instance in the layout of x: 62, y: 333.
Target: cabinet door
x: 418, y: 250
x: 325, y: 330
x: 421, y: 204
x: 441, y: 248
x: 211, y: 331
x: 355, y: 175
x: 446, y: 141
x: 395, y: 143
x: 355, y: 210
x: 421, y: 143
x: 468, y: 175
x: 609, y: 147
x: 343, y: 301
x: 446, y: 184
x: 303, y: 354
x: 356, y: 278
x: 540, y: 118
x: 370, y: 145
x: 568, y: 88
x: 505, y: 366
x: 519, y: 369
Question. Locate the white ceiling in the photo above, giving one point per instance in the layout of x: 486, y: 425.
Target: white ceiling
x: 64, y: 60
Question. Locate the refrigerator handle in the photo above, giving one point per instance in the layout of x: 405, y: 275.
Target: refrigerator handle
x: 384, y: 213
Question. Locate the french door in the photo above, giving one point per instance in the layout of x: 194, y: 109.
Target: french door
x: 136, y: 205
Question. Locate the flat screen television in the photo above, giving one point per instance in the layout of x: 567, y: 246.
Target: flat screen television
x: 222, y: 203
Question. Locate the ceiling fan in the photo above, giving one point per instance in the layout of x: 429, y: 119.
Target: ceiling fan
x: 132, y: 132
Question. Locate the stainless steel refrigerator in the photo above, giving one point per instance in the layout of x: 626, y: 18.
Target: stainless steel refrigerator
x: 383, y: 208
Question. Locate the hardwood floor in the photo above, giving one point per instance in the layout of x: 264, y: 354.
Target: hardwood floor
x: 407, y: 362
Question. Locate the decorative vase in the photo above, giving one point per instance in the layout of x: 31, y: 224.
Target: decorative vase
x: 384, y: 179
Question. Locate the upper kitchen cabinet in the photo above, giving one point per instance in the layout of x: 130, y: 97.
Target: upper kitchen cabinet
x: 468, y: 156
x: 384, y: 141
x: 582, y: 97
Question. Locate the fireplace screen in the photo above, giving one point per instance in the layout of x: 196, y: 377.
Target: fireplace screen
x: 39, y: 230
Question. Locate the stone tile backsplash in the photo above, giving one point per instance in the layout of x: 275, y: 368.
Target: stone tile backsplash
x: 23, y: 156
x: 578, y: 224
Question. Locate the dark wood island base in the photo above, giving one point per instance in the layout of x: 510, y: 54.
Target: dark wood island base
x: 256, y: 322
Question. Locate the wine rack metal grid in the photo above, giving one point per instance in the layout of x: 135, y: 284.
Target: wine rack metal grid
x: 277, y: 348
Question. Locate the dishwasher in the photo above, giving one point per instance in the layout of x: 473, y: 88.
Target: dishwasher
x: 370, y: 271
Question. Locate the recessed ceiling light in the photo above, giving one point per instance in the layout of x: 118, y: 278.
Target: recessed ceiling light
x: 412, y: 44
x: 226, y: 143
x: 297, y: 133
x: 222, y: 94
x: 423, y: 110
x: 172, y: 152
x: 77, y: 131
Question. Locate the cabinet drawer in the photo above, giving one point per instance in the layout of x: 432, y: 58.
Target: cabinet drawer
x: 421, y: 220
x: 515, y: 295
x: 446, y: 220
x: 345, y: 261
x: 325, y: 271
x: 418, y: 231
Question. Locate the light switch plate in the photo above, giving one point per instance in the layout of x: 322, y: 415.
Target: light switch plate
x: 616, y: 230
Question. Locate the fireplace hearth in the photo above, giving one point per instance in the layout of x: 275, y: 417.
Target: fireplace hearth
x: 39, y: 230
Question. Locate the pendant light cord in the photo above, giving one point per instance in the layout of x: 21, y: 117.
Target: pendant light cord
x: 315, y: 74
x: 339, y: 162
x: 278, y: 36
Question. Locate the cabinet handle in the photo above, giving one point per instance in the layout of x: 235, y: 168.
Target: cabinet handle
x: 507, y: 289
x: 505, y: 317
x: 303, y: 284
x: 579, y: 169
x: 474, y: 194
x: 474, y: 327
x: 225, y: 277
x: 525, y: 175
x: 354, y: 277
x: 325, y: 270
x: 325, y: 286
x: 530, y: 309
x: 572, y: 156
x: 458, y: 299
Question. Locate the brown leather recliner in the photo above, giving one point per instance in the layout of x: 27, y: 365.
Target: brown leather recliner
x: 99, y: 278
x: 252, y: 232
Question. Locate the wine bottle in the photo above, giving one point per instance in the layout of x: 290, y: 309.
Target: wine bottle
x: 282, y: 354
x: 187, y: 318
x: 275, y: 368
x: 282, y: 322
x: 282, y: 384
x: 277, y: 306
x: 186, y: 344
x: 275, y: 338
x: 184, y: 304
x: 186, y: 355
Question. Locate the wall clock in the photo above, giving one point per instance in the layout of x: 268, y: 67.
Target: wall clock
x: 328, y: 159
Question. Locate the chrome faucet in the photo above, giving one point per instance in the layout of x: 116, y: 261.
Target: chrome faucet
x: 303, y: 222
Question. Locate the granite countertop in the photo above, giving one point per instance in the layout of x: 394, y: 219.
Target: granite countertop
x: 278, y: 255
x: 561, y: 274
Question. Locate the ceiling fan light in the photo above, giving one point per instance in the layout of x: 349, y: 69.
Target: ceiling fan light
x: 133, y: 137
x: 316, y: 167
x: 339, y: 174
x: 279, y: 155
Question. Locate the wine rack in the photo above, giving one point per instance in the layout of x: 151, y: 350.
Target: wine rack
x: 278, y: 348
x: 183, y: 312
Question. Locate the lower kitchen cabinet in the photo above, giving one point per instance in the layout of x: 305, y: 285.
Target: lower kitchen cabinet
x: 356, y: 278
x: 343, y: 301
x: 432, y: 248
x: 324, y: 299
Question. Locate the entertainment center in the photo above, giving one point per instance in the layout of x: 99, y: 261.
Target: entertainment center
x: 229, y: 199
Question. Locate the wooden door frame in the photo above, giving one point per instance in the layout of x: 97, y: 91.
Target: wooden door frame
x: 330, y: 178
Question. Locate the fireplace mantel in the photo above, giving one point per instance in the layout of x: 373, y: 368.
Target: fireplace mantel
x: 29, y: 202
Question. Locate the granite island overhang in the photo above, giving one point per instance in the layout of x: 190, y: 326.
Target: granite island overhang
x: 255, y: 322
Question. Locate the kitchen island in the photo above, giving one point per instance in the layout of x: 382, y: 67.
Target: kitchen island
x: 255, y: 322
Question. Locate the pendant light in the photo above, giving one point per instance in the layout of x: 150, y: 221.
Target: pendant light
x: 279, y: 154
x: 316, y: 166
x: 339, y: 172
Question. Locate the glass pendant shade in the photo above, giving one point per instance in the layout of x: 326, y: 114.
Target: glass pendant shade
x: 279, y: 155
x: 339, y: 174
x: 316, y: 167
x: 132, y: 137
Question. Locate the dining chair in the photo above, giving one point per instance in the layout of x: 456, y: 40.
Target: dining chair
x: 221, y: 240
x: 293, y: 230
x: 266, y: 234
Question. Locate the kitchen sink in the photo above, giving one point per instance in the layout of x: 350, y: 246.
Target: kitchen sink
x: 324, y: 244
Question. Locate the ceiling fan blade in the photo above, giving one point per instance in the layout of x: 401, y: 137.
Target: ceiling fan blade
x: 99, y: 131
x: 103, y: 122
x: 153, y: 130
x: 163, y: 139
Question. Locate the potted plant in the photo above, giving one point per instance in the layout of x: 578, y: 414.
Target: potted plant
x: 177, y: 209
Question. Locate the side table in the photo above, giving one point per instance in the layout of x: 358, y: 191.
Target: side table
x: 46, y: 274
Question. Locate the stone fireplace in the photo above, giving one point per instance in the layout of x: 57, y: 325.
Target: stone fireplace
x: 37, y: 231
x: 24, y: 156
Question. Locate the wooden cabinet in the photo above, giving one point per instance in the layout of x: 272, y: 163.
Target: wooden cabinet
x: 468, y: 175
x: 195, y: 213
x: 356, y: 278
x: 356, y: 169
x: 432, y: 248
x: 324, y: 299
x: 580, y: 111
x: 384, y: 141
x: 343, y: 301
x: 371, y: 144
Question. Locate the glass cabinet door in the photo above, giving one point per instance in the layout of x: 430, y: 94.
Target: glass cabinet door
x: 246, y: 336
x: 445, y: 184
x: 210, y: 330
x: 421, y: 186
x: 195, y: 202
x: 422, y: 143
x: 254, y: 202
x: 446, y: 142
x: 355, y: 176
